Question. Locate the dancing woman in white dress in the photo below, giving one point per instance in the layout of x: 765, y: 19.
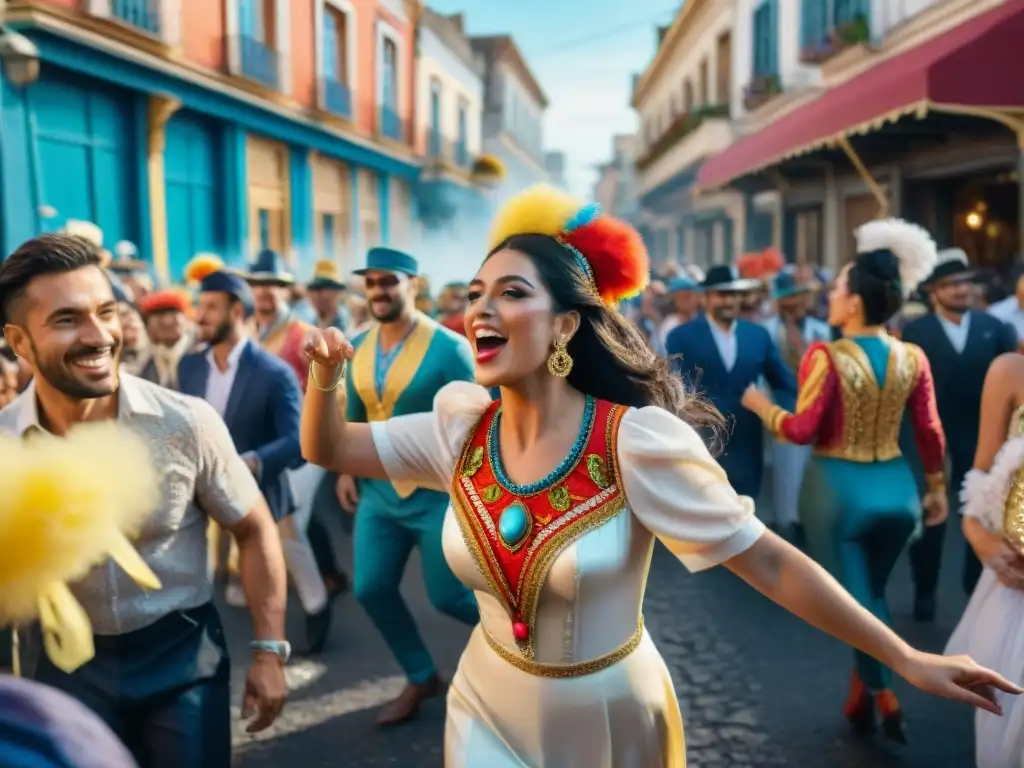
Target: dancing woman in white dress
x: 558, y: 492
x: 992, y: 627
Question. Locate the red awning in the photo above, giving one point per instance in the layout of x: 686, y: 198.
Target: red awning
x: 976, y: 64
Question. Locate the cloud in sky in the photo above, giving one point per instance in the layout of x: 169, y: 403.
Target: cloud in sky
x: 584, y: 54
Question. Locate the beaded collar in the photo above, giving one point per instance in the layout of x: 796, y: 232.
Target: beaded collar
x: 515, y: 532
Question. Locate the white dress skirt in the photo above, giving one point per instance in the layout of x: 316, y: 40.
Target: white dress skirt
x: 991, y: 630
x: 624, y: 715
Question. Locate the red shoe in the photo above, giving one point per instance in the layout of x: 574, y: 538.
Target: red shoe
x: 893, y: 724
x: 860, y: 707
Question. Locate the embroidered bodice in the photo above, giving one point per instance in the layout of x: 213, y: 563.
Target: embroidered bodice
x: 847, y: 411
x: 573, y: 563
x: 515, y: 532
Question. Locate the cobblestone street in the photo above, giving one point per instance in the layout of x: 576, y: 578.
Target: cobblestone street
x: 757, y: 686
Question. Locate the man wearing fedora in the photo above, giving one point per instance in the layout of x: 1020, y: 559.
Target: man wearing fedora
x: 793, y: 329
x: 277, y: 328
x: 721, y: 355
x: 683, y: 300
x: 398, y: 368
x: 960, y: 344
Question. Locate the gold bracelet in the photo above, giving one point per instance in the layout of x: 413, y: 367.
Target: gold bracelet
x: 338, y: 378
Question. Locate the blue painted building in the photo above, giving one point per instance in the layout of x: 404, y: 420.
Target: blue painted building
x: 126, y: 128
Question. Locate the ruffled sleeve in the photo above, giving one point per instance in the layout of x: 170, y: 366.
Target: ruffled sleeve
x: 422, y: 448
x: 680, y: 493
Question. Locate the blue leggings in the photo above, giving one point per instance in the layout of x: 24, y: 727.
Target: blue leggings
x: 857, y: 519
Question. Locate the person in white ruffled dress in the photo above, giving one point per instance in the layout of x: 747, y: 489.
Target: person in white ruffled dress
x: 992, y: 627
x: 588, y: 456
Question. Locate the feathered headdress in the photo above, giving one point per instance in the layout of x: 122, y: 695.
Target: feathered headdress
x: 609, y: 251
x: 202, y: 266
x: 912, y: 246
x: 68, y: 505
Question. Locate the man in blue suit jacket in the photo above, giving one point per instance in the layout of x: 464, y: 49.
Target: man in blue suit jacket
x: 722, y: 355
x: 258, y: 396
x: 960, y: 346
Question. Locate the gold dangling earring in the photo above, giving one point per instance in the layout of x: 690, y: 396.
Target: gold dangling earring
x: 559, y: 361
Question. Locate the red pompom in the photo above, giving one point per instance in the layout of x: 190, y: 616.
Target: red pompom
x: 165, y: 301
x: 616, y: 254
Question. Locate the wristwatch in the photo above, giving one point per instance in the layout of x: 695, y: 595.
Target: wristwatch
x: 280, y: 648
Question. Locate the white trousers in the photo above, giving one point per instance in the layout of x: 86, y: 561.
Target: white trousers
x: 788, y: 464
x: 298, y: 555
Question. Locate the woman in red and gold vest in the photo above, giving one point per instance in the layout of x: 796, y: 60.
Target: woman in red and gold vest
x: 559, y: 490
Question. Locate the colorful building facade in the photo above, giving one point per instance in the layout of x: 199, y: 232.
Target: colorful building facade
x: 215, y: 125
x: 449, y: 109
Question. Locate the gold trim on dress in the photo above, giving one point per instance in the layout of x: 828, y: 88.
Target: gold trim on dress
x: 572, y: 669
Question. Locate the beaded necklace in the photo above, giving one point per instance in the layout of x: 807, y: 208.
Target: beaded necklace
x: 555, y: 476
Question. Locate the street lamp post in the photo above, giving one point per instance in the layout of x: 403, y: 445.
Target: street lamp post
x: 19, y: 57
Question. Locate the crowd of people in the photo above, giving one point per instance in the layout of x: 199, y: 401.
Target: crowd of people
x: 531, y: 432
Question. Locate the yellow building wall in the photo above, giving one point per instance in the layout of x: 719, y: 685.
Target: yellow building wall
x: 332, y: 211
x: 369, y: 210
x: 267, y: 168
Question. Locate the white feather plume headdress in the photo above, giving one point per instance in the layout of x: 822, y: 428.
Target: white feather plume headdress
x: 913, y: 246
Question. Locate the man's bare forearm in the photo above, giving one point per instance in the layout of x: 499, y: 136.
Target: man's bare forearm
x: 263, y: 574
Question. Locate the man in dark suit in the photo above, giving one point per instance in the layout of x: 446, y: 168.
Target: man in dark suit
x: 723, y: 355
x: 258, y: 396
x: 960, y: 345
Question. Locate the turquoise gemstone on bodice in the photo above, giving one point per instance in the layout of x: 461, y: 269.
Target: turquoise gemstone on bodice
x: 514, y: 524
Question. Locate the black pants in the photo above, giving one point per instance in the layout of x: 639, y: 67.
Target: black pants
x: 926, y: 552
x: 164, y: 690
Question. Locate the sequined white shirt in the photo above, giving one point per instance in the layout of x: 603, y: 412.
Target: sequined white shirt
x: 203, y: 476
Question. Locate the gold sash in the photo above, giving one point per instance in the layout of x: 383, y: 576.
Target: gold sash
x: 399, y: 376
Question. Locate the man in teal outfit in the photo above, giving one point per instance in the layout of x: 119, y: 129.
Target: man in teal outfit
x: 399, y: 366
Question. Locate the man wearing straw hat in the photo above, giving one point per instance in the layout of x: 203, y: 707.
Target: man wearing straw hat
x: 325, y: 292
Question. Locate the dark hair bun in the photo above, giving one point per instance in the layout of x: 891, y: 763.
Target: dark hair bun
x: 881, y: 264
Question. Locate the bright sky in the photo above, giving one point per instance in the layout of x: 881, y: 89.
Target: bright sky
x: 583, y: 53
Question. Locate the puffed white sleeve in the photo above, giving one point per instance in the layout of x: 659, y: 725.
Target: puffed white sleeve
x: 680, y: 493
x: 422, y: 448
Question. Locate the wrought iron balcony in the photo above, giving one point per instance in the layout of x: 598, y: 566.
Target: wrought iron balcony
x: 390, y: 124
x: 451, y: 152
x: 144, y: 14
x: 259, y: 61
x: 461, y: 154
x: 337, y: 98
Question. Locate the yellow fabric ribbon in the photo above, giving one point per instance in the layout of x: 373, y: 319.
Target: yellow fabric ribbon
x: 67, y: 631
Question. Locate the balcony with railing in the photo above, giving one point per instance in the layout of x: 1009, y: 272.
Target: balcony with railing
x: 337, y: 98
x: 829, y: 27
x: 444, y: 151
x: 259, y: 62
x: 761, y: 89
x: 141, y: 14
x: 389, y: 124
x: 681, y: 127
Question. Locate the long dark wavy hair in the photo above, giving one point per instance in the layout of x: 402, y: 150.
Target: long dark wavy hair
x: 875, y: 277
x: 611, y: 359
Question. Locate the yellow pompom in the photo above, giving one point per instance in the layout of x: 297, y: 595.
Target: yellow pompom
x: 66, y: 505
x: 539, y: 210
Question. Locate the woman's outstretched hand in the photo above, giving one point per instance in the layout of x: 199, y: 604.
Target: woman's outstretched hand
x: 958, y: 678
x: 327, y: 348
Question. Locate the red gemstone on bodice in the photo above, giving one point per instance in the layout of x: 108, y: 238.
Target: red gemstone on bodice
x: 520, y: 631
